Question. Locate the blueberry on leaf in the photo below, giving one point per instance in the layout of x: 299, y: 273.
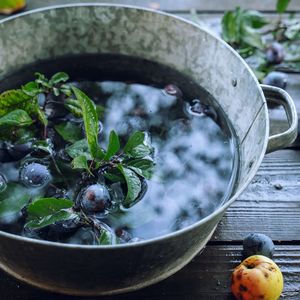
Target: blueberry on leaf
x: 34, y: 175
x: 258, y: 244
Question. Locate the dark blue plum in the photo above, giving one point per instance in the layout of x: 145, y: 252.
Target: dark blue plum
x: 258, y: 244
x: 275, y: 53
x: 4, y: 155
x: 66, y: 226
x: 277, y: 79
x: 95, y: 199
x: 84, y: 236
x: 18, y: 151
x: 34, y: 175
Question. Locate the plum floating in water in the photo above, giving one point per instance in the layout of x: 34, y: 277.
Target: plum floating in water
x: 34, y: 175
x: 95, y: 199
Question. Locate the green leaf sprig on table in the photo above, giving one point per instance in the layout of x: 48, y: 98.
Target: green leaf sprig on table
x: 266, y: 45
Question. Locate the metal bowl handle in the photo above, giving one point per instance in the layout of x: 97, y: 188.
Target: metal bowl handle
x: 284, y: 139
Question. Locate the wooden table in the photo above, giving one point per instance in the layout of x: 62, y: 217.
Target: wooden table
x: 264, y: 207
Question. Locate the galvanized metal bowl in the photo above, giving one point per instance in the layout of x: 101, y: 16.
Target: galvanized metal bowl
x: 94, y: 28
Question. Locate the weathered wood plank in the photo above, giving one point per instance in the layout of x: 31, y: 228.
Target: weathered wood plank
x: 206, y: 277
x: 186, y: 5
x: 270, y: 204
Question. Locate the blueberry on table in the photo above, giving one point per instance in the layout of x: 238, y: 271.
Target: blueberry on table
x: 275, y: 53
x: 34, y: 175
x: 258, y: 244
x: 95, y: 199
x: 277, y: 79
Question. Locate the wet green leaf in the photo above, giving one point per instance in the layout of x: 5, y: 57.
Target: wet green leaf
x: 114, y: 175
x: 47, y: 206
x: 41, y: 222
x: 46, y: 211
x: 16, y: 118
x: 133, y: 183
x: 31, y: 89
x: 69, y: 131
x: 138, y: 145
x: 12, y: 200
x: 113, y: 145
x: 13, y: 99
x: 143, y: 167
x: 90, y: 119
x: 79, y: 148
x: 107, y: 237
x: 59, y: 78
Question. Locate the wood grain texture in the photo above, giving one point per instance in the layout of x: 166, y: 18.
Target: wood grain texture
x: 270, y: 204
x: 206, y: 277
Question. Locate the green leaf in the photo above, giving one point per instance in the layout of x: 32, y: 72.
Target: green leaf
x: 12, y: 200
x: 230, y: 29
x: 74, y: 107
x: 31, y: 89
x: 45, y: 211
x: 79, y: 148
x: 69, y: 131
x: 133, y: 186
x: 17, y: 118
x: 143, y: 167
x: 41, y: 116
x: 138, y: 145
x: 41, y: 222
x: 239, y: 28
x: 13, y: 99
x: 282, y: 5
x: 114, y: 175
x: 47, y: 206
x: 113, y: 145
x: 44, y: 146
x: 80, y: 162
x: 251, y: 37
x: 106, y: 237
x: 254, y: 19
x: 41, y: 79
x: 59, y: 77
x: 90, y: 119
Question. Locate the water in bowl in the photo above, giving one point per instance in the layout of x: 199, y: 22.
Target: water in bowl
x: 195, y: 149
